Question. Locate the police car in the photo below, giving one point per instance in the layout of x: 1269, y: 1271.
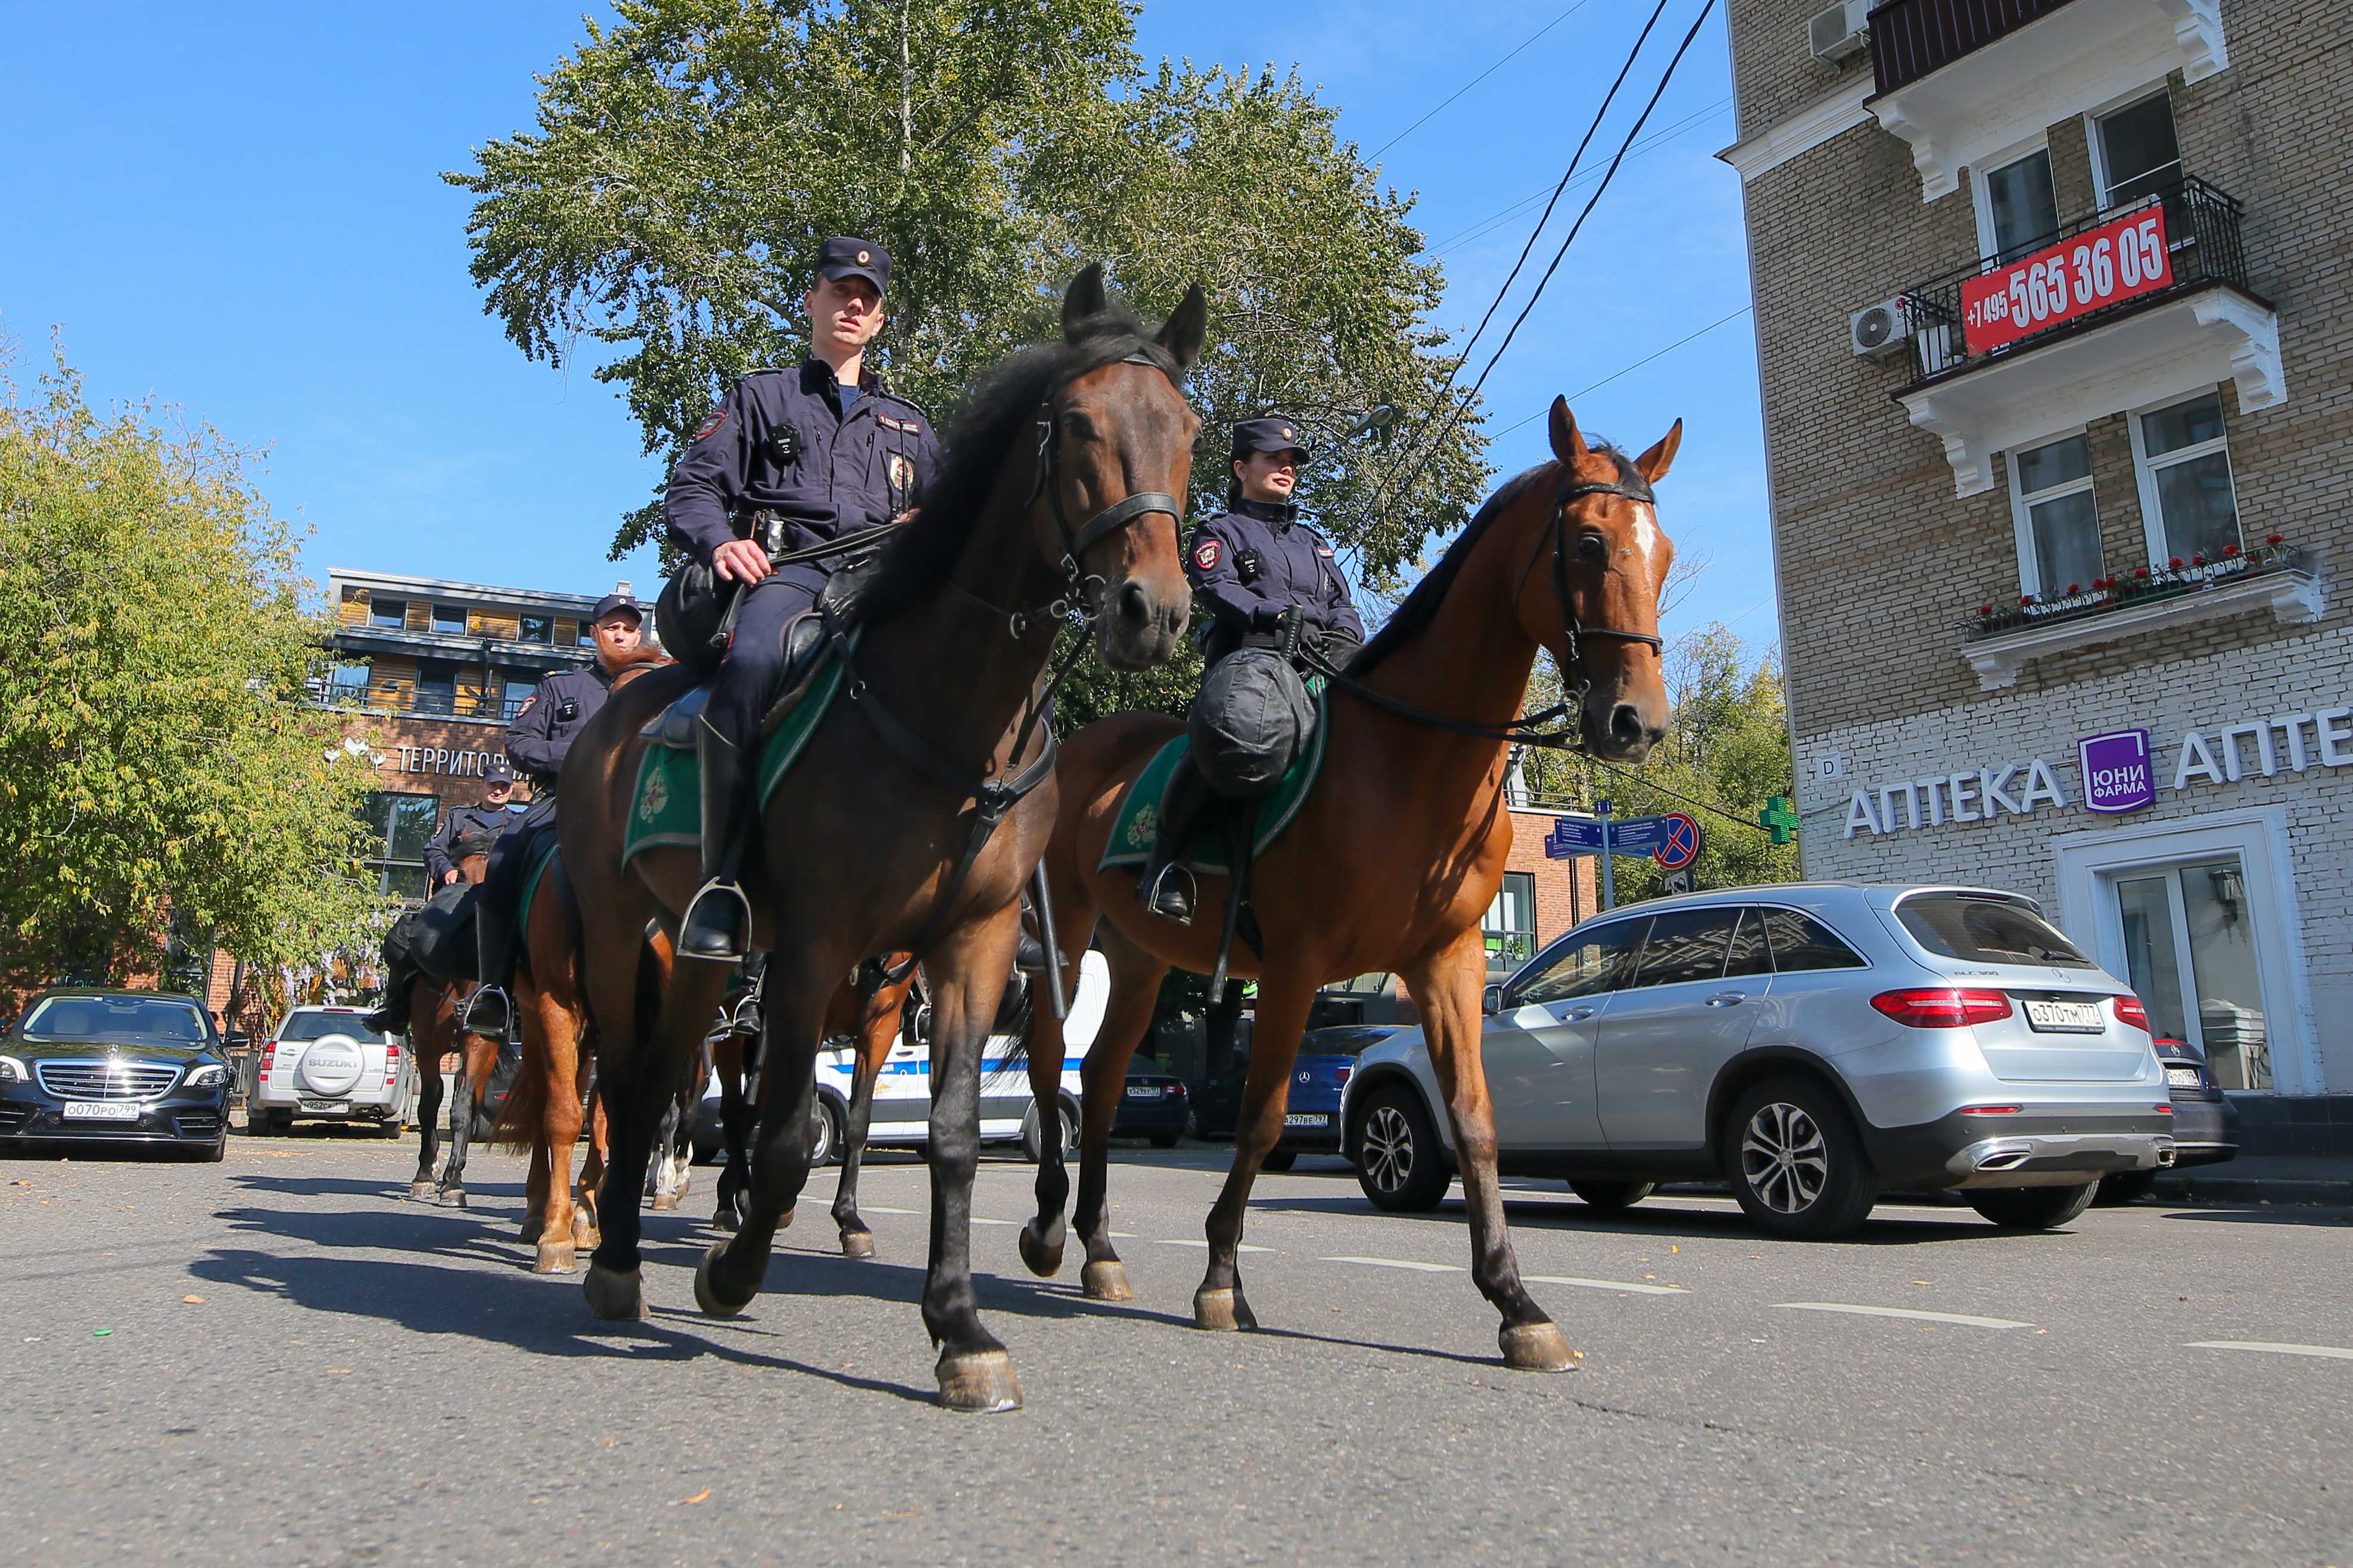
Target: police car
x: 901, y: 1117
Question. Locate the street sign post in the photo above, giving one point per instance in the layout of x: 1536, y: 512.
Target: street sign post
x: 1672, y: 839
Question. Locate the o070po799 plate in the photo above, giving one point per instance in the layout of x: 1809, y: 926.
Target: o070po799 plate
x: 101, y: 1111
x: 2065, y: 1017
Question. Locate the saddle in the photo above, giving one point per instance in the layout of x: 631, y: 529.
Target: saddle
x: 689, y: 594
x: 439, y: 937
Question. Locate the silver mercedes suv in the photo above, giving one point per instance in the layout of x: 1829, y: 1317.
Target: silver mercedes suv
x: 1813, y: 1044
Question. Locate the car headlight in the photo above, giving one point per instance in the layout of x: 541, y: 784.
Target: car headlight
x: 210, y: 1076
x: 11, y: 1071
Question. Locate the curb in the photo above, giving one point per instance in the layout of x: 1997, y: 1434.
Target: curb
x: 2240, y: 1191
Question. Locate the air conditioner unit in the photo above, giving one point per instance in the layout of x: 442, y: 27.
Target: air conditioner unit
x: 1880, y: 330
x: 1835, y: 35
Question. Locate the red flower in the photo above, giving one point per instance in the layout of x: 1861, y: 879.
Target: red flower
x: 2229, y: 549
x: 2026, y: 598
x: 2073, y: 588
x: 1985, y: 609
x: 2275, y: 538
x: 2199, y: 559
x: 2140, y: 571
x: 2175, y: 562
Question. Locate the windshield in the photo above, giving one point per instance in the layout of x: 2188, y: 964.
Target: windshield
x: 147, y: 1019
x: 1979, y: 930
x: 310, y: 1024
x: 1347, y: 1040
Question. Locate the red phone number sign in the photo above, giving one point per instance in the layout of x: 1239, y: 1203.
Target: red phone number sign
x: 2116, y: 261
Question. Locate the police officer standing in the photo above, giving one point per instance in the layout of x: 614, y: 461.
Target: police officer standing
x: 1268, y: 581
x: 790, y: 459
x: 484, y: 821
x: 536, y: 743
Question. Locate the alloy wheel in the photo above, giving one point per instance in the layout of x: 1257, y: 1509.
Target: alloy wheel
x: 1784, y: 1157
x: 1387, y: 1156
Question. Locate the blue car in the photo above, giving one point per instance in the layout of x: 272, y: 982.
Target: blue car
x: 1310, y: 1119
x: 94, y: 1068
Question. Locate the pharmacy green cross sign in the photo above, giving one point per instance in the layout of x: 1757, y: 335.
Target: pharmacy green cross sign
x: 1778, y: 820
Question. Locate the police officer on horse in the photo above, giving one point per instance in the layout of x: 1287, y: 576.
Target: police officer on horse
x: 537, y: 741
x: 1268, y: 583
x: 468, y: 830
x: 790, y: 460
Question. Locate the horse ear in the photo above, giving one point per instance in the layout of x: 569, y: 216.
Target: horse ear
x: 1083, y: 300
x: 1187, y: 328
x: 1567, y: 441
x: 1653, y: 464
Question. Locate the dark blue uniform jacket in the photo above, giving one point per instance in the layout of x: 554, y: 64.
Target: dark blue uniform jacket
x: 1253, y: 563
x: 777, y: 443
x: 464, y: 819
x: 542, y: 732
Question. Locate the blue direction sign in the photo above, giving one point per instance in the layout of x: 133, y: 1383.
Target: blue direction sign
x: 1574, y: 836
x: 1571, y: 837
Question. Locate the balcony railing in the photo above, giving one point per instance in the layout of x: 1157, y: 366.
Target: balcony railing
x: 461, y: 704
x: 2201, y: 231
x: 1909, y: 38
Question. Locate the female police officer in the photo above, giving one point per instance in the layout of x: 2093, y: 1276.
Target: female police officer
x: 1267, y: 581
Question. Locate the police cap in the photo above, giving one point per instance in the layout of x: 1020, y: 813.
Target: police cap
x: 496, y: 770
x: 845, y: 258
x: 612, y: 602
x: 1273, y: 433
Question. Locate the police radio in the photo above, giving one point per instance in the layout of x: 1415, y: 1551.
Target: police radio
x: 784, y: 445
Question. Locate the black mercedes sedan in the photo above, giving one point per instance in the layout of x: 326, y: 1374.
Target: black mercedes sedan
x: 89, y: 1067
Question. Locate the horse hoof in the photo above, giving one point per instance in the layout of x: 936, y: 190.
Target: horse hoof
x: 615, y: 1296
x: 665, y: 1201
x: 532, y: 1229
x: 979, y: 1382
x: 708, y: 1293
x: 557, y: 1258
x: 1045, y: 1260
x: 453, y: 1198
x: 1105, y: 1281
x: 1222, y: 1310
x: 858, y: 1244
x: 784, y: 1220
x: 587, y: 1237
x: 423, y: 1189
x: 1536, y: 1347
x: 725, y: 1220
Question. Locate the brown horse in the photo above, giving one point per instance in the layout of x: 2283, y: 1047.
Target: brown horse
x: 884, y: 837
x: 434, y: 1009
x: 1393, y: 858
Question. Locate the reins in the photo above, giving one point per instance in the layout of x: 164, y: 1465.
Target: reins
x: 1526, y: 730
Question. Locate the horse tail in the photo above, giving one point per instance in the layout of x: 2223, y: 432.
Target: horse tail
x: 523, y: 1117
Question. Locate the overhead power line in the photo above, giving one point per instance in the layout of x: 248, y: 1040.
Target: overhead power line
x: 1654, y: 140
x: 1635, y: 366
x: 1475, y: 81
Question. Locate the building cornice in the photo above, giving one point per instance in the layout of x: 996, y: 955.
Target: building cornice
x: 577, y: 604
x: 1802, y: 131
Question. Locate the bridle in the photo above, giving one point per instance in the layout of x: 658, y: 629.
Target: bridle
x: 1527, y: 730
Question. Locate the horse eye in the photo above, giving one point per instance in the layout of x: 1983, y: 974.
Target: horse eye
x: 1077, y: 427
x: 1201, y: 442
x: 1592, y: 547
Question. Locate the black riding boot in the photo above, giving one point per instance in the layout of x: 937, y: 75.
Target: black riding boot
x: 718, y: 923
x: 391, y: 1015
x: 1165, y: 887
x: 489, y: 1012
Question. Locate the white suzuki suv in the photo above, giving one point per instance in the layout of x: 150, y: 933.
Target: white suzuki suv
x: 325, y: 1064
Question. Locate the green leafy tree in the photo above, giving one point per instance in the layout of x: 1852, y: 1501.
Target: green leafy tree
x: 688, y: 161
x: 157, y: 764
x: 1727, y: 753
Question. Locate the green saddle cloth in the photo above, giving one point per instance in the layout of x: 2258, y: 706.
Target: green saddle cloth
x: 668, y: 812
x: 1136, y: 823
x: 532, y: 879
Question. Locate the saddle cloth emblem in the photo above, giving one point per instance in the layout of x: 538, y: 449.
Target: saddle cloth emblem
x: 1144, y: 828
x: 655, y: 798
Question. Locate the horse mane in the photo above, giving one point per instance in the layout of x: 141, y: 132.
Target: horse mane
x: 1001, y: 414
x: 1421, y: 607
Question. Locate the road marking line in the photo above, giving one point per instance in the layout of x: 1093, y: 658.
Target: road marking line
x: 1011, y: 1222
x: 1401, y: 1263
x: 878, y: 1209
x: 1905, y: 1312
x: 1243, y: 1246
x: 1604, y: 1284
x: 2331, y: 1351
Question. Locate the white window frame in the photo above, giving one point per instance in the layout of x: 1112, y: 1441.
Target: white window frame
x: 2258, y: 836
x: 2098, y: 149
x: 2145, y: 467
x: 2030, y: 570
x: 1982, y: 196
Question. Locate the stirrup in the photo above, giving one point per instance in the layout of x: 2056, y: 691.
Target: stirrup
x: 1168, y: 900
x: 488, y: 1012
x: 699, y: 935
x: 747, y: 1019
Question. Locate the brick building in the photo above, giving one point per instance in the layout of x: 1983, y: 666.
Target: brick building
x: 2050, y: 308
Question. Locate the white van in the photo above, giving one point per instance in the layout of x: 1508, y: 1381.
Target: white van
x: 903, y: 1094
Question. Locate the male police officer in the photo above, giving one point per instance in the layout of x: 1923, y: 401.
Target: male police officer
x: 790, y: 459
x: 1268, y: 581
x: 485, y: 821
x: 536, y: 741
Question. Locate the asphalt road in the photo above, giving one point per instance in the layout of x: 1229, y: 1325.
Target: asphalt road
x: 280, y: 1361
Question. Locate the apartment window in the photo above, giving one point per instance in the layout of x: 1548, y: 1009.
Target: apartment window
x: 517, y: 693
x: 347, y: 683
x: 537, y: 628
x: 2135, y: 151
x: 1510, y: 928
x: 587, y: 634
x: 436, y: 686
x: 400, y: 824
x: 2017, y: 207
x: 450, y: 620
x: 391, y: 614
x: 2184, y: 464
x: 2058, y: 521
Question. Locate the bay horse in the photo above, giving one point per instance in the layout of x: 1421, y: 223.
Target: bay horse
x: 1394, y: 856
x: 883, y: 836
x: 436, y: 1009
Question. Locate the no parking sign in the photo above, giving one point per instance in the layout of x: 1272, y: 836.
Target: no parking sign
x: 1680, y: 844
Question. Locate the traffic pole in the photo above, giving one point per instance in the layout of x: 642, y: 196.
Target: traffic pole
x: 1608, y: 882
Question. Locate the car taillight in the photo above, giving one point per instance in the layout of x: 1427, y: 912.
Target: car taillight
x: 269, y: 1056
x: 1993, y: 1109
x: 1345, y: 1072
x: 1942, y: 1006
x: 2163, y: 1109
x: 391, y: 1060
x: 2130, y: 1011
x: 1175, y: 1092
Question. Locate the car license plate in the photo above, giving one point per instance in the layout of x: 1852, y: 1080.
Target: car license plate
x: 101, y: 1111
x: 327, y: 1107
x: 2181, y: 1078
x: 1142, y: 1091
x: 1306, y: 1119
x: 2065, y: 1017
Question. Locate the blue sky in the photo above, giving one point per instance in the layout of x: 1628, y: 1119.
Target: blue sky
x: 236, y: 209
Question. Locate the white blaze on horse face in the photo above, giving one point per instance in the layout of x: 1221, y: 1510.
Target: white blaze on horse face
x: 1648, y: 539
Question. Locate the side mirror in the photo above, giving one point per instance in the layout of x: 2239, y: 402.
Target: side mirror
x: 1491, y: 1000
x: 236, y: 1040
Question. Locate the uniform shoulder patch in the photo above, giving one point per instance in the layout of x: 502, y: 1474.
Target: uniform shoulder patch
x: 1206, y: 554
x: 710, y: 422
x: 1323, y: 549
x: 529, y: 703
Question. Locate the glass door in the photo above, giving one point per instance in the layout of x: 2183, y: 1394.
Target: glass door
x: 2190, y: 950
